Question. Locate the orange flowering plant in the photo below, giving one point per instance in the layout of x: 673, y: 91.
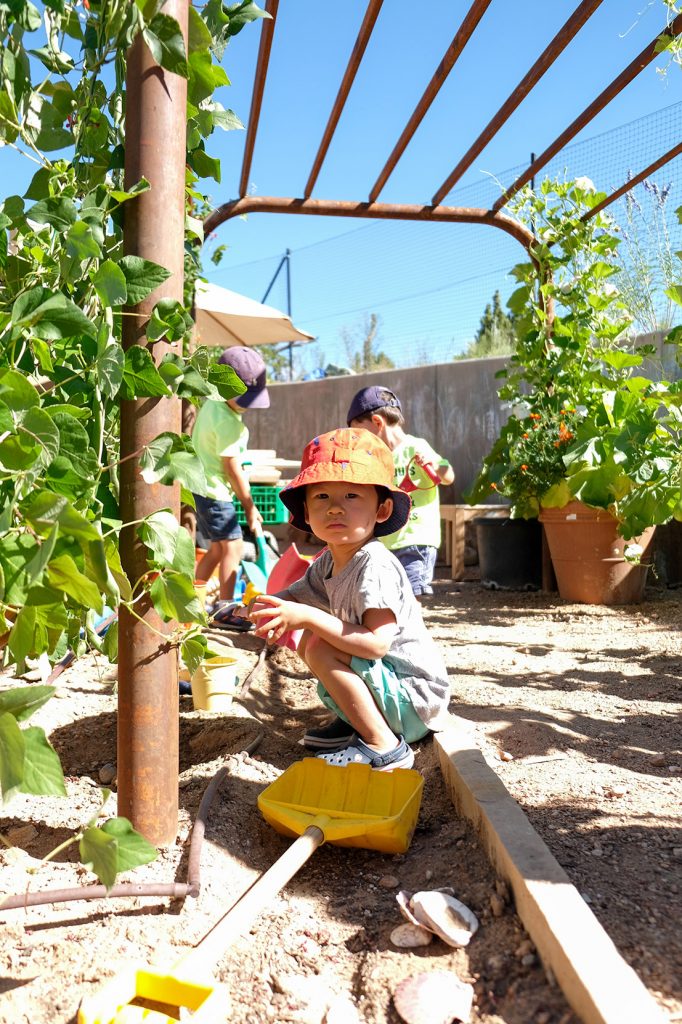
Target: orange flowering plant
x: 586, y: 421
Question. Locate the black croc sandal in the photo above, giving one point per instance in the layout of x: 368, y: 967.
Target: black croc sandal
x: 225, y: 617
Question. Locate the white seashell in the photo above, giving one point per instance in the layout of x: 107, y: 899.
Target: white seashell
x: 408, y: 936
x: 403, y: 899
x: 450, y: 919
x: 438, y: 997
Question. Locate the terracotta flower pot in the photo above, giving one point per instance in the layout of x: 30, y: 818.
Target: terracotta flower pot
x: 587, y: 555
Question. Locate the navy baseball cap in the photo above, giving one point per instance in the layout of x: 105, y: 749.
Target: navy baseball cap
x: 250, y: 368
x: 367, y: 400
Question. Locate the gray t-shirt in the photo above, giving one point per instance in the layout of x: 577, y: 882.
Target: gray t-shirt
x: 374, y: 578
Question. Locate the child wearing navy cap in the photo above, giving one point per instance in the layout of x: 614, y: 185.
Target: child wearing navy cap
x: 419, y: 471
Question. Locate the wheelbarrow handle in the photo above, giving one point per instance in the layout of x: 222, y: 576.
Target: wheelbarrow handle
x: 242, y: 913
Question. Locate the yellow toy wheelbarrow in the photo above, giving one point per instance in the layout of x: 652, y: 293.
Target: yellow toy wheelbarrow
x: 351, y: 806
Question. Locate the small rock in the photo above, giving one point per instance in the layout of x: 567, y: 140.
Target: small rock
x: 496, y: 905
x: 597, y: 852
x: 25, y: 833
x: 674, y: 769
x: 528, y: 960
x: 428, y: 874
x: 523, y: 949
x: 659, y: 761
x: 504, y: 755
x: 616, y: 791
x: 543, y: 1017
x: 410, y: 936
x: 434, y: 998
x: 677, y: 852
x: 389, y: 882
x: 107, y: 774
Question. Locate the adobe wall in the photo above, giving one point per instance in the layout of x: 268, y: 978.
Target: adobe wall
x: 453, y: 405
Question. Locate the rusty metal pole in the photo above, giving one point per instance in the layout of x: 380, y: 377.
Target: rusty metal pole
x: 148, y: 745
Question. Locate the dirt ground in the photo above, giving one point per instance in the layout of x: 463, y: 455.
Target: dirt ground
x: 576, y: 707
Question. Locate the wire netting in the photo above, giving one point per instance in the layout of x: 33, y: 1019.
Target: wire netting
x: 428, y: 284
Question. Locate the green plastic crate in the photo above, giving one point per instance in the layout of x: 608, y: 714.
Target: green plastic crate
x: 268, y: 502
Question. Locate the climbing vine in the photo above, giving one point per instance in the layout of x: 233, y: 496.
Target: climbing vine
x: 65, y: 286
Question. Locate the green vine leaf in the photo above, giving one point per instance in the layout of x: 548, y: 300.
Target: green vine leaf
x: 142, y: 277
x: 141, y: 379
x: 169, y: 543
x: 170, y: 457
x: 12, y: 749
x: 23, y: 701
x: 110, y: 282
x: 113, y: 848
x: 42, y: 775
x: 164, y: 38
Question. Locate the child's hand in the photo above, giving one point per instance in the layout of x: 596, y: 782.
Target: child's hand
x: 428, y: 467
x: 273, y: 617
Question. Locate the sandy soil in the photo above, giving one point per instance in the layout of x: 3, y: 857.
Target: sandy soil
x: 576, y: 707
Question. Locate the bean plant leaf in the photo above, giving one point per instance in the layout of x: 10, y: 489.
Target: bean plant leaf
x: 44, y: 508
x: 675, y: 293
x: 141, y: 379
x: 12, y: 749
x: 170, y: 457
x: 110, y: 283
x: 109, y: 366
x: 194, y: 649
x: 63, y: 574
x: 23, y: 701
x: 142, y: 277
x: 43, y: 773
x: 113, y: 848
x: 164, y: 38
x: 58, y: 213
x: 169, y: 543
x: 175, y: 598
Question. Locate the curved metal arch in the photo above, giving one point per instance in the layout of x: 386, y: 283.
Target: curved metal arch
x: 377, y: 211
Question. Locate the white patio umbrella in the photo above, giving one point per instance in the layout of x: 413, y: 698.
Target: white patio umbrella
x: 226, y: 318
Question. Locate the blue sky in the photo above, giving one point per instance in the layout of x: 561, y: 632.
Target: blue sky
x: 428, y: 283
x: 370, y: 266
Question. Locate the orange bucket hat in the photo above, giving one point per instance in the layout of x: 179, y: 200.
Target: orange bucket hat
x: 355, y: 456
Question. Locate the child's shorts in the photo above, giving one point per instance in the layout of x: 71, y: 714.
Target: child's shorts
x: 391, y: 696
x: 217, y: 520
x: 419, y: 562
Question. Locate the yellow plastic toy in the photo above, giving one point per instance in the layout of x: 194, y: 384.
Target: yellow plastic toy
x: 351, y: 806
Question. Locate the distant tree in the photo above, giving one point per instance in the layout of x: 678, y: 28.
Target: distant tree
x: 495, y: 335
x: 276, y: 359
x: 362, y: 346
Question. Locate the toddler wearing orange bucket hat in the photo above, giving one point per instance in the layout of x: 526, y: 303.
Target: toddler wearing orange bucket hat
x: 379, y: 670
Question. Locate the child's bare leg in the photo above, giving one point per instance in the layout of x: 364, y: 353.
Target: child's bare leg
x: 349, y: 691
x: 208, y: 562
x: 231, y: 552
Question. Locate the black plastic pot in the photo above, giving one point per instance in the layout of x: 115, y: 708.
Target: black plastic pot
x: 509, y: 552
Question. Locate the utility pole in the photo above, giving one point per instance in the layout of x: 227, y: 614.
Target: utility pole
x: 286, y: 263
x: 148, y: 731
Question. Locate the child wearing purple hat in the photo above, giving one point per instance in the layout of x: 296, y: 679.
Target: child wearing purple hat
x: 419, y: 471
x: 220, y: 439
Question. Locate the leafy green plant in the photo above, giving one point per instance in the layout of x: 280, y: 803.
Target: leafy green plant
x: 585, y: 423
x: 64, y: 288
x: 29, y: 764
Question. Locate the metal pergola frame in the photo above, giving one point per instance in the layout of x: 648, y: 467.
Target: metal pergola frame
x: 434, y: 211
x: 148, y: 749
